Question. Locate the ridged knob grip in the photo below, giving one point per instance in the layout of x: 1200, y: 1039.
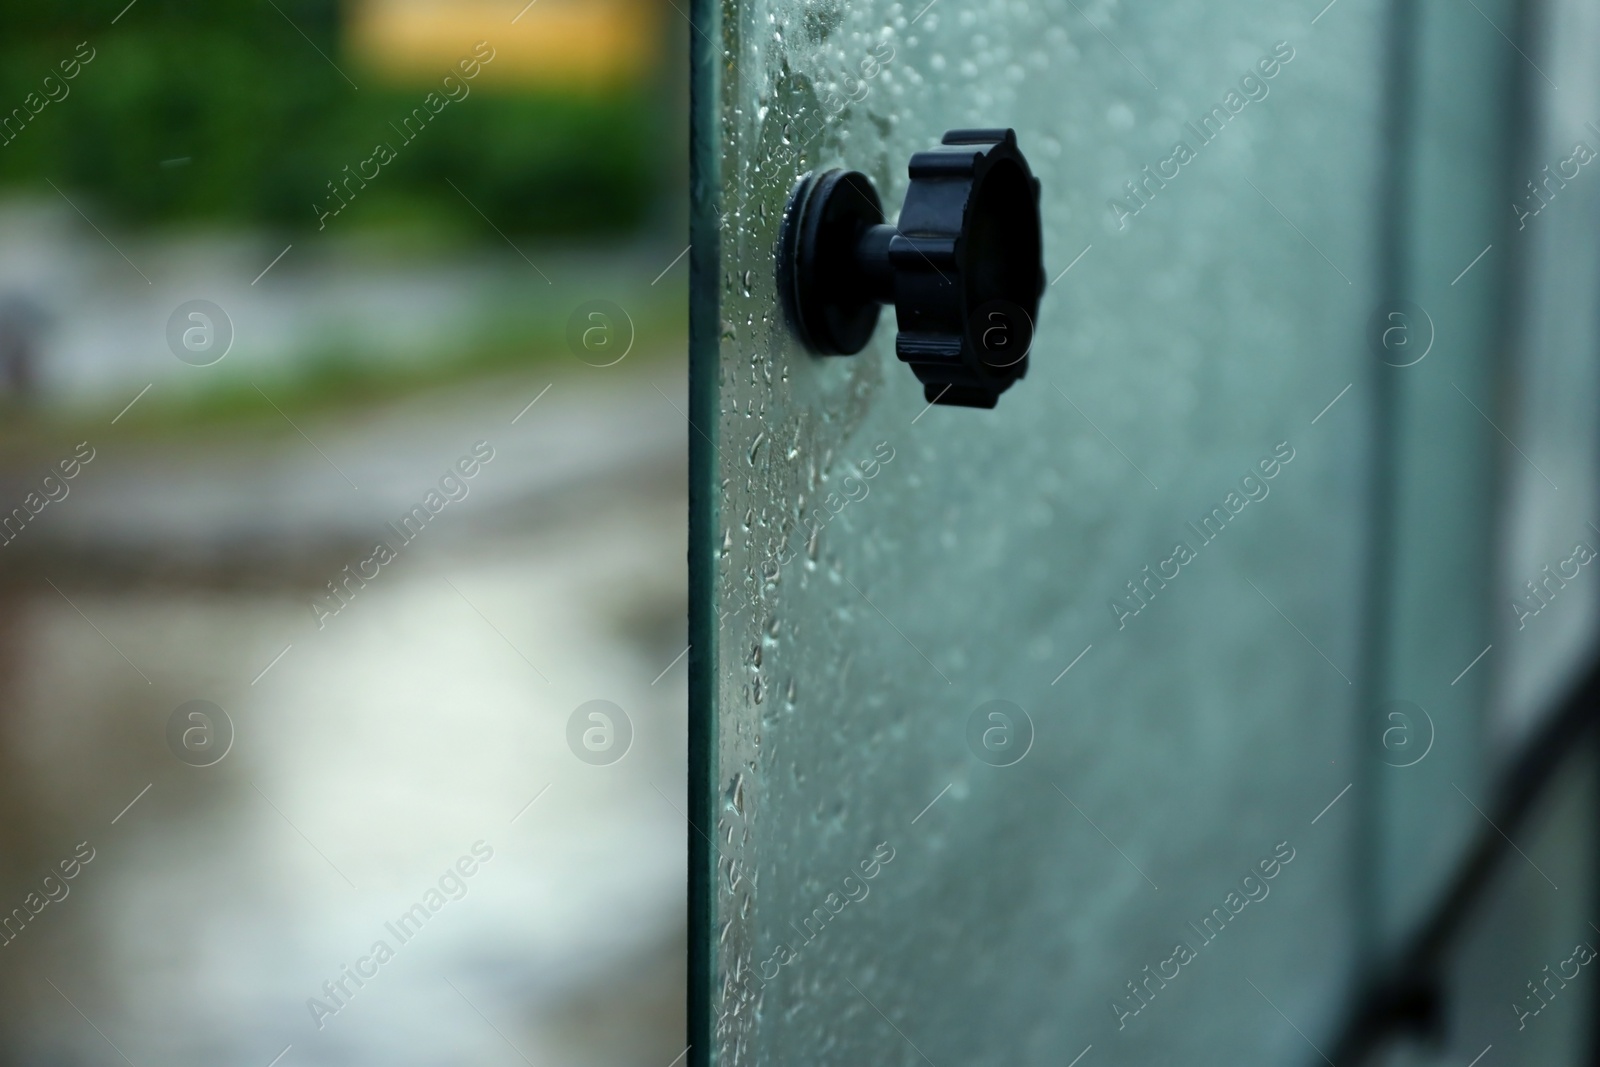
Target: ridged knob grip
x: 963, y: 266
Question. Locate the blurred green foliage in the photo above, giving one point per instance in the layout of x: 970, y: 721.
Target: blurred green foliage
x: 221, y: 111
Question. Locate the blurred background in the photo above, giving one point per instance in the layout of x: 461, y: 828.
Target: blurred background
x: 281, y: 281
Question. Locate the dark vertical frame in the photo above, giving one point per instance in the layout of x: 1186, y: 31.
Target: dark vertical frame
x: 1377, y: 644
x: 1592, y: 751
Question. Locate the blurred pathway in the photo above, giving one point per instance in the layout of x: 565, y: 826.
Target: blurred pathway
x: 370, y: 755
x: 333, y: 483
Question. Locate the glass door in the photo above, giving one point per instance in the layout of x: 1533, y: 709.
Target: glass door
x: 1215, y: 695
x: 1036, y: 733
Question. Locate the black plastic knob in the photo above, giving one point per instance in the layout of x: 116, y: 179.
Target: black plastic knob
x: 963, y: 266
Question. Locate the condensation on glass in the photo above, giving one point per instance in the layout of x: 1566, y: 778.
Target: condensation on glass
x: 885, y: 571
x: 1012, y: 712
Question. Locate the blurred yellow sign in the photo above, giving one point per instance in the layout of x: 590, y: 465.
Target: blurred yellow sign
x: 546, y: 43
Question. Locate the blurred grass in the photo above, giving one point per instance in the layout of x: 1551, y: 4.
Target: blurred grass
x: 221, y: 112
x: 208, y: 116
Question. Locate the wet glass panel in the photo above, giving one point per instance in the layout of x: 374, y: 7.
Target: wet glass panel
x: 1548, y: 629
x: 1442, y: 453
x: 1147, y: 553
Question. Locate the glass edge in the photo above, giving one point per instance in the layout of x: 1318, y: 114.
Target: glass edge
x: 704, y: 476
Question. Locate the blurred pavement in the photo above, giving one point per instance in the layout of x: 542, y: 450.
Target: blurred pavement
x: 371, y: 753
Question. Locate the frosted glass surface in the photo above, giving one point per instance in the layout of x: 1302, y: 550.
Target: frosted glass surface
x: 882, y: 571
x: 1551, y: 485
x: 1494, y: 452
x: 1540, y: 389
